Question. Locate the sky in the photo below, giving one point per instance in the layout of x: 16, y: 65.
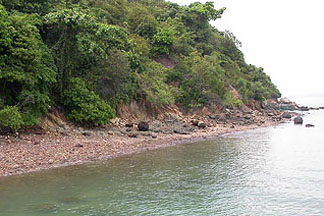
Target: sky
x: 285, y: 37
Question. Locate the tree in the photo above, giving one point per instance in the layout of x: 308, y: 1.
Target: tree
x: 28, y: 70
x: 85, y: 106
x: 80, y: 43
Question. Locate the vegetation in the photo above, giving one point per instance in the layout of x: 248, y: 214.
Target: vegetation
x: 90, y: 56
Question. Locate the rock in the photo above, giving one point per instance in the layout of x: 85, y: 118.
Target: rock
x: 86, y: 133
x: 286, y: 115
x: 201, y: 125
x: 285, y: 100
x: 133, y: 135
x: 110, y: 133
x: 283, y: 104
x: 154, y: 136
x: 78, y: 145
x: 212, y: 117
x: 298, y: 120
x: 304, y: 108
x: 309, y: 125
x: 143, y: 126
x: 195, y: 122
x: 182, y: 132
x: 129, y: 125
x: 128, y: 129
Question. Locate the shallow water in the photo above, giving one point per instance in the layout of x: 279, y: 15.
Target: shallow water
x: 273, y: 171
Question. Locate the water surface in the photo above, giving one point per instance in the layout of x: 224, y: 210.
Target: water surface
x: 273, y: 171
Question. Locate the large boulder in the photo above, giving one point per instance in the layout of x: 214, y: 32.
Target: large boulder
x: 298, y: 120
x: 285, y: 100
x: 286, y: 115
x: 143, y: 126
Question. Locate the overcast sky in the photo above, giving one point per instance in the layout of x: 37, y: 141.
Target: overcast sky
x: 285, y: 37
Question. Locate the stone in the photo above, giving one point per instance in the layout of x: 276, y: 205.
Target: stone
x: 285, y: 100
x: 154, y: 136
x: 309, y: 125
x: 182, y: 132
x: 110, y: 133
x: 86, y: 133
x: 304, y: 108
x: 129, y: 125
x: 201, y: 125
x: 195, y: 122
x: 286, y: 115
x: 298, y: 120
x: 143, y: 126
x: 78, y: 145
x: 133, y: 135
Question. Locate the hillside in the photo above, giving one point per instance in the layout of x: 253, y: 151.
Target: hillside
x: 88, y: 57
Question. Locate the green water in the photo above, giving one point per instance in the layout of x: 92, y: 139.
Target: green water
x: 274, y: 171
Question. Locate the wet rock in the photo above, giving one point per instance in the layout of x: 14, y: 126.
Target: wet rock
x: 201, y: 125
x: 298, y: 120
x: 309, y: 125
x: 143, y: 126
x: 286, y: 115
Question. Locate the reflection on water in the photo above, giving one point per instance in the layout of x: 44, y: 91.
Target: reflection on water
x: 275, y: 171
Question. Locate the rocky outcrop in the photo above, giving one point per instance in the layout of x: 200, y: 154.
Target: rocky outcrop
x: 304, y: 108
x: 282, y: 104
x: 298, y: 120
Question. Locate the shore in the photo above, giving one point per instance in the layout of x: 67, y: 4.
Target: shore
x: 38, y: 151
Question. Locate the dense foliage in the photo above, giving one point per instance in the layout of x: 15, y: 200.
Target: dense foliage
x: 89, y: 56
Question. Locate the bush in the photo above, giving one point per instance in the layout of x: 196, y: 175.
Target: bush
x: 10, y: 118
x: 162, y: 41
x: 152, y: 83
x: 231, y: 101
x: 84, y: 106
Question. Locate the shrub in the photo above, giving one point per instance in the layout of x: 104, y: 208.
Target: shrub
x: 152, y: 83
x: 10, y: 118
x: 84, y: 106
x: 231, y: 101
x: 162, y: 41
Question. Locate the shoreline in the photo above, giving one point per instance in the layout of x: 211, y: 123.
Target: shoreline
x: 34, y: 152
